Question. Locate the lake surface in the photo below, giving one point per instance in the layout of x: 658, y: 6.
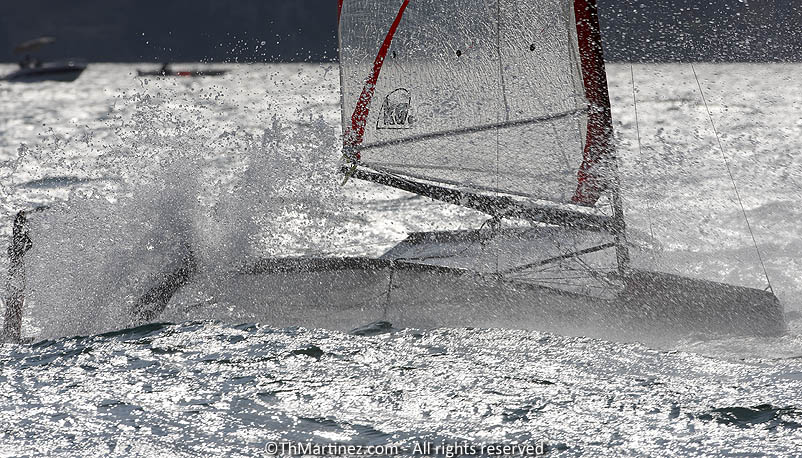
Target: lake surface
x: 244, y: 166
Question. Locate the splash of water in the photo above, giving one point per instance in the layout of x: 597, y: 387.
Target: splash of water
x: 274, y: 194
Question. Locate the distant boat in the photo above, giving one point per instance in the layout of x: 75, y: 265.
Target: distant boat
x: 32, y: 70
x: 167, y: 71
x: 64, y: 71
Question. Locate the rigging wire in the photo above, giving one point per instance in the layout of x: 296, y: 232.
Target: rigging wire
x: 640, y: 145
x: 637, y: 128
x: 732, y: 179
x: 503, y: 91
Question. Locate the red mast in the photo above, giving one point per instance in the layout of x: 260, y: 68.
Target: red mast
x: 599, y: 142
x: 355, y: 133
x: 598, y: 146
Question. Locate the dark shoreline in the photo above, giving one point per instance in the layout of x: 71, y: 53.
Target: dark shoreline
x: 306, y: 30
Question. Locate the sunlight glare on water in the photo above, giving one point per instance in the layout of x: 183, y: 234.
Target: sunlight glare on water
x: 136, y: 170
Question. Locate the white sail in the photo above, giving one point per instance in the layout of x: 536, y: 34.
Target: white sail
x: 484, y: 94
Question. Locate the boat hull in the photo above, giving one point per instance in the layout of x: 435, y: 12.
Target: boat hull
x: 63, y: 72
x: 189, y: 73
x: 344, y: 293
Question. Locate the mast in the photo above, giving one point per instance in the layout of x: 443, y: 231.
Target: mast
x: 599, y: 143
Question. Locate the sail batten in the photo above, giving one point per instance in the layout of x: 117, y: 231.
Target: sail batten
x: 495, y: 86
x: 474, y: 129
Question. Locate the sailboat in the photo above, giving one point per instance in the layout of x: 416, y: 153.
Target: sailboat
x: 494, y: 105
x: 167, y: 70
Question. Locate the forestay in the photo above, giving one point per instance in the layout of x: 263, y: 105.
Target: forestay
x: 486, y: 95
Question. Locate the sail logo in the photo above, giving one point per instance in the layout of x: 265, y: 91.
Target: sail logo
x: 396, y: 112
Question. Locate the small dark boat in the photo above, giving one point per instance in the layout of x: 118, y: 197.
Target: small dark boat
x: 167, y: 71
x: 33, y: 70
x: 47, y: 71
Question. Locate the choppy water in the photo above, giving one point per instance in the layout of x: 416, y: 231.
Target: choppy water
x: 201, y: 388
x: 135, y: 167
